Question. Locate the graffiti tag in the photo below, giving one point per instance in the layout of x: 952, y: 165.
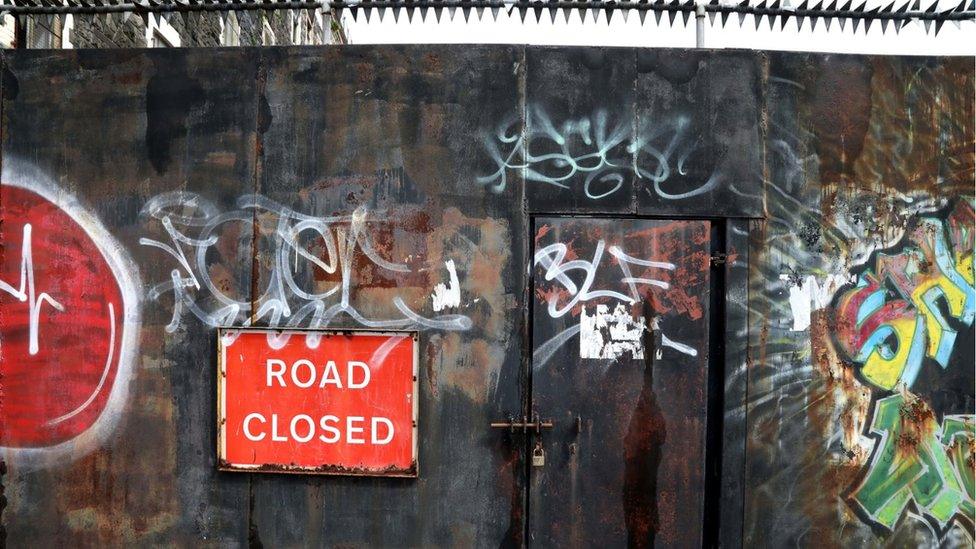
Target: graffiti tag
x: 891, y: 320
x: 552, y: 258
x: 609, y: 331
x: 602, y: 152
x: 194, y: 224
x: 916, y: 460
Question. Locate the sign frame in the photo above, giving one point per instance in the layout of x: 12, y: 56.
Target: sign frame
x: 330, y: 470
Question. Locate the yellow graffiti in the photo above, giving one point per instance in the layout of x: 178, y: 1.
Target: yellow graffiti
x: 892, y: 319
x: 886, y: 371
x: 924, y: 294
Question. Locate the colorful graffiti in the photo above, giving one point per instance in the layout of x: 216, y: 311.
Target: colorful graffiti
x: 67, y: 288
x: 904, y: 311
x: 917, y: 460
x: 892, y: 319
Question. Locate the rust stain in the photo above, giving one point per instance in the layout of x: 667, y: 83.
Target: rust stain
x: 834, y: 398
x: 131, y: 78
x: 111, y: 521
x: 541, y: 232
x: 470, y: 375
x: 482, y: 250
x: 645, y: 437
x: 841, y: 390
x: 918, y: 422
x: 434, y: 346
x: 389, y: 471
x: 732, y: 256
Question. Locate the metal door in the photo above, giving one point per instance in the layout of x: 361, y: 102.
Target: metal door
x: 620, y: 354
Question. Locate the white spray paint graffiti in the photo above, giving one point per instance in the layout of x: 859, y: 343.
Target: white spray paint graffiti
x: 680, y: 347
x: 192, y: 224
x: 105, y: 371
x: 27, y: 292
x: 668, y: 342
x: 552, y: 259
x: 449, y: 295
x: 604, y: 335
x: 602, y: 152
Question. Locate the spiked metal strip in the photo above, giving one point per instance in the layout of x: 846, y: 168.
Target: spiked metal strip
x: 890, y: 16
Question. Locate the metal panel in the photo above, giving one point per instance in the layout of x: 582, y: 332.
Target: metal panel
x: 126, y: 134
x: 624, y: 463
x: 387, y: 164
x: 579, y: 116
x: 698, y: 125
x: 655, y: 132
x: 870, y: 173
x: 200, y: 166
x: 735, y: 380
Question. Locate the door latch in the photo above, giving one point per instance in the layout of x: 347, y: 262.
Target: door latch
x: 525, y: 425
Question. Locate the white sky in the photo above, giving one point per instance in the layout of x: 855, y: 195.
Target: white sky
x: 508, y: 29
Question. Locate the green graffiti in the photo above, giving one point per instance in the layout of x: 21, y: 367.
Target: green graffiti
x: 957, y: 436
x: 915, y: 460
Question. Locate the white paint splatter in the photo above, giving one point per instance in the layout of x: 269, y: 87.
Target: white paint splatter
x: 610, y: 335
x: 450, y: 295
x: 811, y: 295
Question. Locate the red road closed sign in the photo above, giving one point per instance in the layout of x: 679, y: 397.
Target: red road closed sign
x: 300, y: 401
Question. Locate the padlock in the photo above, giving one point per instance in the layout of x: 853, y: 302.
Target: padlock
x: 538, y: 456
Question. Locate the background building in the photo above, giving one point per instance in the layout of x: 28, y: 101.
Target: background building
x: 283, y: 27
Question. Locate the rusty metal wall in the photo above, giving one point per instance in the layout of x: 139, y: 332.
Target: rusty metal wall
x: 843, y: 187
x: 859, y: 414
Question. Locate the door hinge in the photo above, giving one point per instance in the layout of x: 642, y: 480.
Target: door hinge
x: 718, y: 258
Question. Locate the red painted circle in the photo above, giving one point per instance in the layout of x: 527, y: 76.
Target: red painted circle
x: 70, y: 374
